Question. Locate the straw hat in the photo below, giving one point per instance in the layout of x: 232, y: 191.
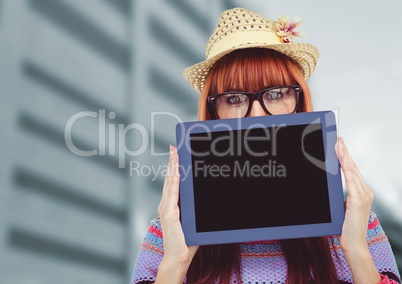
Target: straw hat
x: 240, y: 28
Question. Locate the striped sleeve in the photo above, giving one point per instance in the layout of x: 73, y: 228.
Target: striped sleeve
x: 381, y: 251
x: 150, y: 255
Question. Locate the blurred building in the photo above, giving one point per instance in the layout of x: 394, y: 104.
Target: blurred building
x: 64, y: 217
x: 94, y: 67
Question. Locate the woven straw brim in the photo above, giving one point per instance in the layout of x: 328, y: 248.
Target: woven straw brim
x: 303, y: 54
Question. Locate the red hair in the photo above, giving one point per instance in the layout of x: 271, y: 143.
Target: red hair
x: 253, y: 69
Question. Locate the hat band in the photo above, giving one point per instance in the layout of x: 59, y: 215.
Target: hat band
x: 239, y: 38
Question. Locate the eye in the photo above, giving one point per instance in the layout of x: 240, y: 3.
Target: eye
x: 273, y: 95
x: 235, y: 99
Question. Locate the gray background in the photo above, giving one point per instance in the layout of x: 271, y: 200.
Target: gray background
x: 70, y: 219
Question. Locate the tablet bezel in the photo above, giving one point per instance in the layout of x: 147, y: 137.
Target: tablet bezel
x: 187, y: 205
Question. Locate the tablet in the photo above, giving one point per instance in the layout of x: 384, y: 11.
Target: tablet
x: 259, y: 178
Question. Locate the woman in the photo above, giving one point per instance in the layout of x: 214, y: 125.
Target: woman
x: 249, y: 53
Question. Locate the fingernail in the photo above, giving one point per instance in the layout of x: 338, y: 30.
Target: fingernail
x: 171, y: 148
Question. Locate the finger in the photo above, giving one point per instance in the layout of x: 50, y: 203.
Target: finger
x: 353, y: 182
x: 175, y: 171
x: 168, y: 174
x: 355, y: 171
x: 345, y: 163
x: 347, y: 155
x: 170, y: 194
x: 353, y: 168
x: 167, y: 186
x: 171, y: 170
x: 341, y: 152
x: 173, y: 180
x: 173, y: 175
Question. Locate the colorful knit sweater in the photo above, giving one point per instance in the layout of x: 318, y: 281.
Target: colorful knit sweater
x: 264, y: 262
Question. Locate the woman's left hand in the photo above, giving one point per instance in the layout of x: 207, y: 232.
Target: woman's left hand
x: 358, y: 203
x: 354, y: 231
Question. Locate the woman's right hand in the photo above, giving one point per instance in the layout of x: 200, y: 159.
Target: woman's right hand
x: 177, y: 255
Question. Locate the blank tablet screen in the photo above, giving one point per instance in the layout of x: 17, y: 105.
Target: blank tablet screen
x: 259, y: 177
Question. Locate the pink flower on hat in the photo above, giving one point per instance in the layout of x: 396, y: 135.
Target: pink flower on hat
x: 286, y: 30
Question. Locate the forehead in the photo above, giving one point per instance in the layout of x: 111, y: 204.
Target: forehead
x: 251, y: 70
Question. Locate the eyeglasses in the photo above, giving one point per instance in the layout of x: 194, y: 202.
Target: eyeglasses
x: 234, y: 104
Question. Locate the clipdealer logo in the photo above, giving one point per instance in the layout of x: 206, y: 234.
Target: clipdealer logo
x: 147, y: 137
x: 122, y: 150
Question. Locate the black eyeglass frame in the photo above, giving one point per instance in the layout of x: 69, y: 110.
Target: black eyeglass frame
x: 251, y: 96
